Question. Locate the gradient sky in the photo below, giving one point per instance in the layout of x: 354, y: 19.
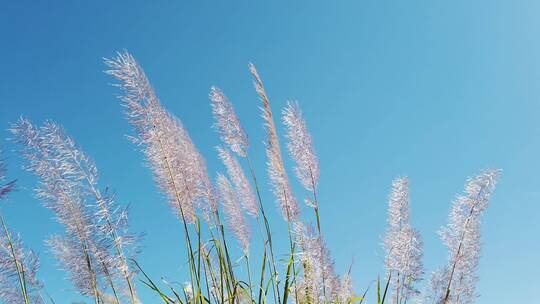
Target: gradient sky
x: 434, y: 90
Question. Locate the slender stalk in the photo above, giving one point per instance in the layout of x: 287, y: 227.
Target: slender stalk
x: 18, y: 264
x: 198, y: 229
x: 291, y: 242
x: 206, y: 276
x: 249, y: 277
x: 225, y: 264
x: 316, y: 209
x: 273, y: 271
x: 222, y: 231
x: 109, y: 277
x: 261, y: 283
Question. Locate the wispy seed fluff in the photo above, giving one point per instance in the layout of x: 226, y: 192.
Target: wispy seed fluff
x: 61, y: 192
x: 233, y: 210
x: 300, y: 146
x: 403, y: 245
x: 241, y: 183
x: 227, y: 122
x: 15, y: 260
x: 319, y: 282
x: 456, y: 282
x: 276, y: 170
x: 179, y: 168
x: 97, y: 242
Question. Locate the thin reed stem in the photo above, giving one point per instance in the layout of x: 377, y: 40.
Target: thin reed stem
x: 292, y: 245
x: 273, y: 271
x: 18, y: 265
x: 316, y: 209
x: 249, y: 277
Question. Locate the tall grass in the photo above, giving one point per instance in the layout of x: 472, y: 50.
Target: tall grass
x: 100, y: 253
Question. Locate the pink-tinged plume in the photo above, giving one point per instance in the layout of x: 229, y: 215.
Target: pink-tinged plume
x: 227, y: 123
x: 240, y: 181
x: 179, y: 168
x: 233, y: 210
x: 300, y: 147
x: 276, y: 170
x: 456, y: 282
x: 402, y: 244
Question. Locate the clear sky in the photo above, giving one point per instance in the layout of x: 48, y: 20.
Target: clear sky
x: 435, y: 90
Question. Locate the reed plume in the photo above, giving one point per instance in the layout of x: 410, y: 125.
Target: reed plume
x: 60, y: 194
x: 97, y: 238
x: 97, y: 245
x: 18, y: 271
x: 319, y: 282
x: 18, y: 265
x: 233, y: 210
x: 402, y: 244
x: 178, y: 167
x: 456, y: 282
x: 300, y: 147
x: 346, y: 292
x: 241, y: 184
x: 233, y: 135
x: 227, y: 123
x: 276, y: 169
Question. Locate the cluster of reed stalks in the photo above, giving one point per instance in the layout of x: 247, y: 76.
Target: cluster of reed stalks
x: 99, y: 252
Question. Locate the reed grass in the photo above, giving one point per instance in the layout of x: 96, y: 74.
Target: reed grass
x: 99, y: 252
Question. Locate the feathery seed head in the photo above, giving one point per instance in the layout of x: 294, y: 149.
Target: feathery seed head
x: 233, y: 210
x: 178, y: 167
x: 96, y: 230
x: 402, y: 243
x: 72, y: 258
x: 462, y: 237
x: 15, y: 259
x: 49, y: 157
x: 300, y: 147
x: 227, y: 122
x: 319, y: 277
x: 240, y: 181
x: 276, y: 169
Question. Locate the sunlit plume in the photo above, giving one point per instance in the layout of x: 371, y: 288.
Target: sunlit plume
x: 178, y: 167
x: 402, y: 244
x: 227, y: 122
x: 241, y: 183
x: 456, y: 282
x: 300, y: 147
x: 96, y: 229
x: 236, y: 220
x: 319, y: 282
x: 276, y: 170
x: 15, y: 259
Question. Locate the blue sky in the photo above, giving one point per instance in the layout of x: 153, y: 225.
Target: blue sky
x: 433, y: 90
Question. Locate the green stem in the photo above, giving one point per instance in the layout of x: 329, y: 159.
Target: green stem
x: 291, y: 242
x: 18, y: 264
x: 316, y: 209
x: 249, y: 277
x: 273, y: 271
